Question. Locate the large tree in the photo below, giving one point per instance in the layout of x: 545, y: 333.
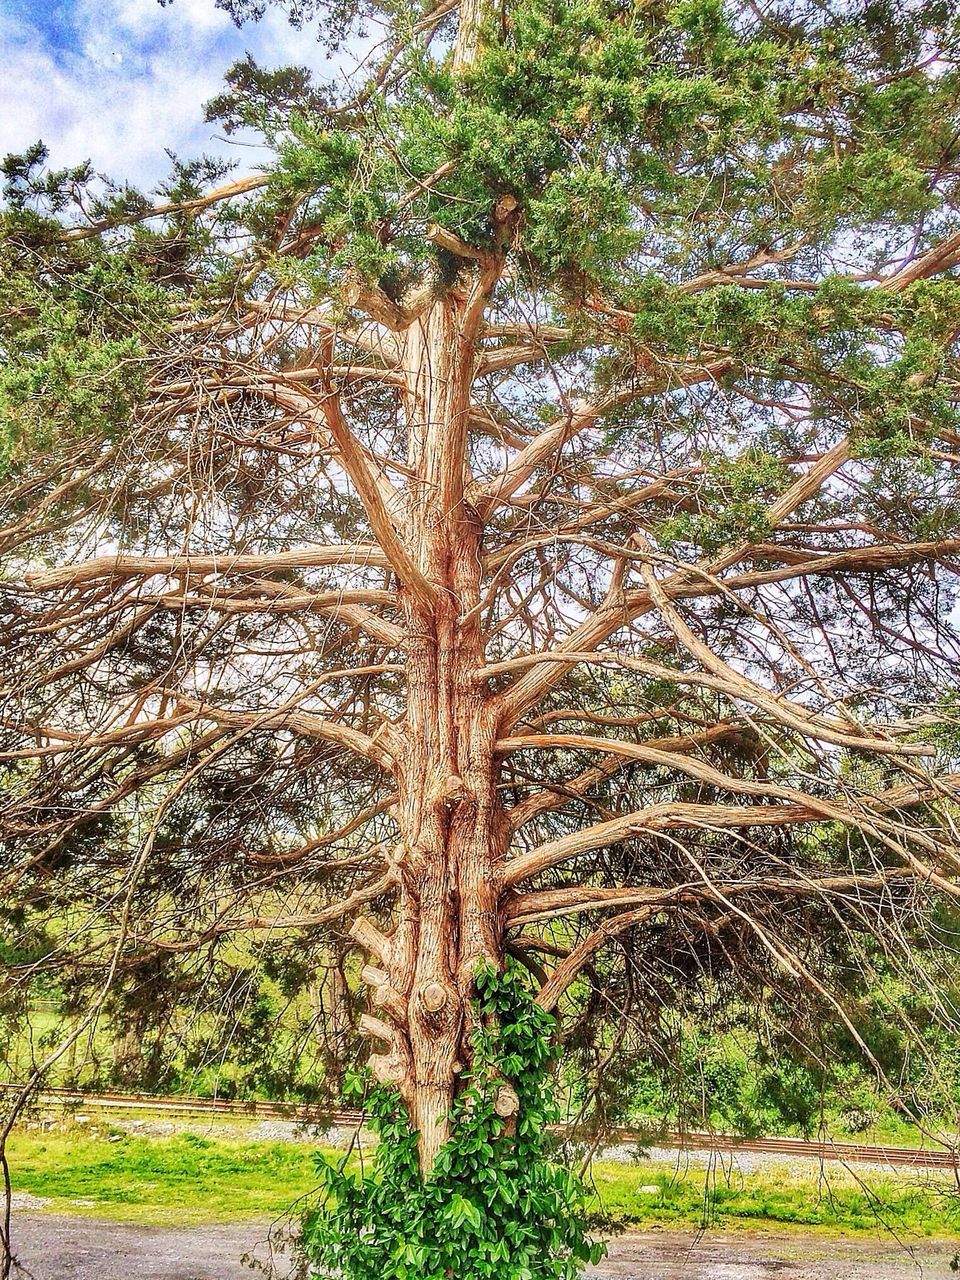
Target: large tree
x: 520, y: 518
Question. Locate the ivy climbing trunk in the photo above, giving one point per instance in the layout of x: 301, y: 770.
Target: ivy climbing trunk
x: 453, y: 832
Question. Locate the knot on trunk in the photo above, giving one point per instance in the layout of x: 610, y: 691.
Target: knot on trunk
x: 506, y: 1104
x: 448, y: 789
x: 438, y: 1005
x: 507, y: 1101
x: 434, y: 996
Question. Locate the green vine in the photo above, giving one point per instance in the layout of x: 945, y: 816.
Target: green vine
x: 495, y: 1205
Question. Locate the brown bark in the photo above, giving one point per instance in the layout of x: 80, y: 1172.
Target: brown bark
x: 448, y: 864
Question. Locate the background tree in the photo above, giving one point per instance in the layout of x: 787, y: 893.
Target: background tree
x: 522, y: 520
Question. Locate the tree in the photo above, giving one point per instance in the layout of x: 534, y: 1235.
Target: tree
x: 520, y: 519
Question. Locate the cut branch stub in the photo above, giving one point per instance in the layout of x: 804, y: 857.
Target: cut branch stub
x: 384, y: 995
x: 366, y: 934
x: 433, y: 997
x: 391, y: 1001
x: 444, y: 239
x: 377, y: 1029
x: 373, y: 976
x: 387, y: 1068
x: 507, y: 1102
x: 505, y: 207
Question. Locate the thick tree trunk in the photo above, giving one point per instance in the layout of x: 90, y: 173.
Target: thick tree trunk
x: 448, y: 863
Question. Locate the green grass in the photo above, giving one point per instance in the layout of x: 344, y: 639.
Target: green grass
x: 835, y: 1199
x: 183, y: 1179
x: 888, y: 1129
x: 190, y: 1179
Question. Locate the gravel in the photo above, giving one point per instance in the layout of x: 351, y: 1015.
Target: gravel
x: 54, y: 1247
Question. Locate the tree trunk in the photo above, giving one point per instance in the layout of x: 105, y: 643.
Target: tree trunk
x: 448, y: 863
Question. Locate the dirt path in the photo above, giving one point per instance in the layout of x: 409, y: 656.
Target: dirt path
x: 670, y: 1255
x: 51, y: 1247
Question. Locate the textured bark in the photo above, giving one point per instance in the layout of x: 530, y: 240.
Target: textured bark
x: 449, y: 862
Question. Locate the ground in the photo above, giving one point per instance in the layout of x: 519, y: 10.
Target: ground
x: 55, y: 1247
x: 116, y: 1198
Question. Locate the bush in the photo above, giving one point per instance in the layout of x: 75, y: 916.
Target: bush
x: 495, y: 1205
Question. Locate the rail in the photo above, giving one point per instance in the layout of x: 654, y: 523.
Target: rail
x: 692, y: 1140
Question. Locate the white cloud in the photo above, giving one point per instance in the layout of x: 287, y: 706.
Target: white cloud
x: 139, y: 17
x: 133, y: 82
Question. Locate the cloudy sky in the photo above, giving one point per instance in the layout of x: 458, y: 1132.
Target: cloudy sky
x: 116, y: 81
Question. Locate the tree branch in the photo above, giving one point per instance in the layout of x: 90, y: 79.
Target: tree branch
x: 571, y: 965
x: 681, y: 816
x: 369, y: 486
x: 299, y: 722
x: 364, y: 555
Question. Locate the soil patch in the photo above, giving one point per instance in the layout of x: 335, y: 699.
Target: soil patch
x: 56, y: 1247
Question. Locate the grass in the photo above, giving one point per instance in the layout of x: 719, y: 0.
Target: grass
x: 833, y: 1198
x: 185, y: 1179
x: 190, y: 1179
x: 887, y: 1129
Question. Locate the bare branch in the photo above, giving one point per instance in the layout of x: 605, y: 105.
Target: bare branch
x: 186, y: 566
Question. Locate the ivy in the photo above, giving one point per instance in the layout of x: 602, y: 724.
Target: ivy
x: 495, y: 1205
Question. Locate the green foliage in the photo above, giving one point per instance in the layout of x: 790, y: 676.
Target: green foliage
x: 774, y: 1067
x: 578, y: 108
x: 737, y: 495
x: 494, y: 1204
x: 603, y: 119
x: 76, y: 320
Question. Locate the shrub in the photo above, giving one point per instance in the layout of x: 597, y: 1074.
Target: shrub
x: 494, y: 1205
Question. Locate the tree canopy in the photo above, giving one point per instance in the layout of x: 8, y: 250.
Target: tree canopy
x: 523, y: 517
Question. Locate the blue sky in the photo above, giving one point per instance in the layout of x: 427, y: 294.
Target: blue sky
x: 116, y: 81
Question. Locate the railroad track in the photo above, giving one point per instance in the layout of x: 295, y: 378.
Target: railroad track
x: 848, y: 1152
x: 692, y: 1140
x: 192, y: 1106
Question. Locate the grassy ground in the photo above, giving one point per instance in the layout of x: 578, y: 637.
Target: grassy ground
x: 887, y: 1129
x: 777, y: 1195
x: 191, y: 1179
x: 182, y: 1179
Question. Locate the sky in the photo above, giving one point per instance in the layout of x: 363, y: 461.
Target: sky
x: 117, y: 81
